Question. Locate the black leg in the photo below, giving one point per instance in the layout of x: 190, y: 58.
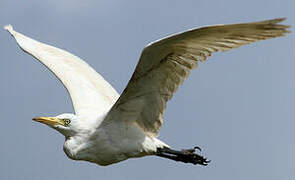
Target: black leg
x: 186, y: 155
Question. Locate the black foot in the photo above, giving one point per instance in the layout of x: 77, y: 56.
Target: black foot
x: 185, y: 155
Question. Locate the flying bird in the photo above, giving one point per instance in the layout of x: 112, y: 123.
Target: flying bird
x: 106, y: 127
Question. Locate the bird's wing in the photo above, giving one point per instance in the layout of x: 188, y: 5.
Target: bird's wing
x: 89, y: 92
x: 165, y: 64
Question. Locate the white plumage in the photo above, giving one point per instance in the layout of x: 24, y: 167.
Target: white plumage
x: 106, y: 128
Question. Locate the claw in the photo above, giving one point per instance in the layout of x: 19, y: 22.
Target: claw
x: 185, y: 155
x: 198, y: 148
x: 192, y: 150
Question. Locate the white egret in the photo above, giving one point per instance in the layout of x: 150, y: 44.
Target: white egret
x: 107, y: 128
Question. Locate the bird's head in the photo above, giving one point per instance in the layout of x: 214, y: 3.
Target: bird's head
x: 64, y: 123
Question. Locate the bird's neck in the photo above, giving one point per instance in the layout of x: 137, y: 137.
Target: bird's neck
x: 73, y: 145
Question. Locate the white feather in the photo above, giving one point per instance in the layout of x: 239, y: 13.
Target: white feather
x: 130, y: 124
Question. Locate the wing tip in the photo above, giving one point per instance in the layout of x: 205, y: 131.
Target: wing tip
x: 274, y: 24
x: 277, y: 20
x: 9, y: 28
x: 283, y: 26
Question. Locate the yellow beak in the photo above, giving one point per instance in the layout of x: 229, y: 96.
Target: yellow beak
x: 49, y: 120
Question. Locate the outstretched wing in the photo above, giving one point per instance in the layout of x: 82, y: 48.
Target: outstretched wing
x: 166, y: 63
x: 89, y: 92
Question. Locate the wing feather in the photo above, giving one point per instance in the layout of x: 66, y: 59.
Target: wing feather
x: 90, y: 93
x: 165, y: 64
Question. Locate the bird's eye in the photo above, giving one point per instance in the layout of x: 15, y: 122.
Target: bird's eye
x: 67, y: 122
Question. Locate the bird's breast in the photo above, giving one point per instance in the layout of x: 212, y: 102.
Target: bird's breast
x: 104, y: 147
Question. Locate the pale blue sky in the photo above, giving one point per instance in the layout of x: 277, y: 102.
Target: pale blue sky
x: 238, y: 106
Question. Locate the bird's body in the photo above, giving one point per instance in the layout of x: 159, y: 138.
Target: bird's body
x: 111, y: 143
x: 107, y: 128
